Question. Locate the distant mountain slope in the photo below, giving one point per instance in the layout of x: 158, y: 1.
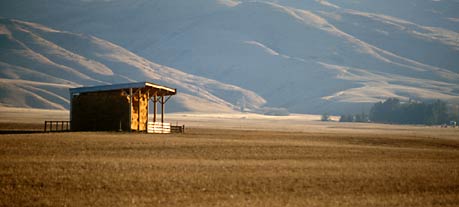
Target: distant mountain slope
x: 306, y: 56
x: 39, y: 64
x: 434, y: 13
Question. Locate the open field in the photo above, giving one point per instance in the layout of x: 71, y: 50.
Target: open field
x: 230, y: 167
x: 229, y: 160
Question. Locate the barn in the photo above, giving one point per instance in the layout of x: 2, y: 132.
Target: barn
x: 119, y: 107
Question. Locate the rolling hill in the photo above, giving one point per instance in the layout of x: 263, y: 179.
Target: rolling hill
x: 38, y: 65
x: 305, y: 56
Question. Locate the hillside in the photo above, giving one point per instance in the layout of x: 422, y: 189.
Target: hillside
x: 306, y: 56
x: 38, y: 65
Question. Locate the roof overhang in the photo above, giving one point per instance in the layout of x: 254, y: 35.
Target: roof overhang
x: 138, y: 85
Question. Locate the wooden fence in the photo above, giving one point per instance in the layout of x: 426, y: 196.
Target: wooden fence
x: 159, y: 127
x: 178, y: 129
x: 57, y: 126
x: 153, y: 127
x: 164, y: 128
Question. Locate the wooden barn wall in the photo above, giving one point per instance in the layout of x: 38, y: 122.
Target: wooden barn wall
x: 101, y: 111
x: 140, y: 103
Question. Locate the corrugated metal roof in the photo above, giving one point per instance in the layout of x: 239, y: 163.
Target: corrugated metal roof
x: 170, y: 91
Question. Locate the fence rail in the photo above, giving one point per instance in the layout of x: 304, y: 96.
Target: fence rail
x: 57, y: 126
x: 159, y: 127
x: 178, y: 129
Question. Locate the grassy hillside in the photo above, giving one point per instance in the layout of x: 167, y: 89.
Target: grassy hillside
x: 39, y: 64
x: 305, y: 56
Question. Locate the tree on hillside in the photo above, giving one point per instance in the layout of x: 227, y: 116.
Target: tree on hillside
x: 385, y: 112
x: 439, y: 113
x: 394, y: 111
x: 345, y: 118
x: 453, y: 112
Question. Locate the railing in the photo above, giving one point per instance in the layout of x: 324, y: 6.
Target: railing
x: 57, y: 126
x: 178, y: 129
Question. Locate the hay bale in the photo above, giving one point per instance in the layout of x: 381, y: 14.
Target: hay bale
x: 140, y: 107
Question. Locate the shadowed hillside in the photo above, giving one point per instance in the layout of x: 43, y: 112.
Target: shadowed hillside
x: 306, y: 56
x: 39, y: 64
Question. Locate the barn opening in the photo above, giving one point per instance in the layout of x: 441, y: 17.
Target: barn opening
x: 120, y: 107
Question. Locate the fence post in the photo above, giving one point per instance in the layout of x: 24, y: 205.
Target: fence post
x: 54, y: 126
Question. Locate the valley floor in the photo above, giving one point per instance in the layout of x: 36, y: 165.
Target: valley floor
x: 331, y: 165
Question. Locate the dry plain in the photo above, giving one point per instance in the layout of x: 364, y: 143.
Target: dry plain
x: 240, y: 160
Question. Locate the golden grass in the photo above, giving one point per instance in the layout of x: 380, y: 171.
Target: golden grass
x: 212, y: 167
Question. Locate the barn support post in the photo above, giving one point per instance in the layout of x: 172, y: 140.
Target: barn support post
x: 162, y: 108
x: 155, y: 107
x: 163, y: 103
x: 130, y: 109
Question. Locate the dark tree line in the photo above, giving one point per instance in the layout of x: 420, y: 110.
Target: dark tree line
x: 396, y: 112
x: 354, y: 118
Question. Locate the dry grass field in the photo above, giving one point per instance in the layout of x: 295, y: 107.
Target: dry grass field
x: 229, y: 167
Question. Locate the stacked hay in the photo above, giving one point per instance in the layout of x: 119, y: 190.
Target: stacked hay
x: 100, y: 111
x: 140, y: 108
